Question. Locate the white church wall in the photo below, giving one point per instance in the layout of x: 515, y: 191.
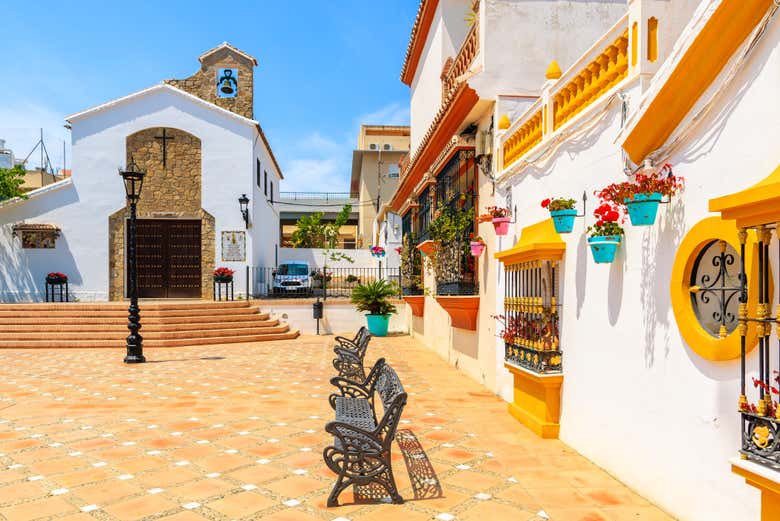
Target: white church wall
x: 265, y: 215
x: 636, y: 399
x: 99, y: 139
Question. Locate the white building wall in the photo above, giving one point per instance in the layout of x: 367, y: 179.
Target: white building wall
x: 82, y: 210
x: 636, y: 399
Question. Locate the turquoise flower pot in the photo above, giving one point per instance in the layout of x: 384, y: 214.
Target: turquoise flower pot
x: 643, y: 208
x: 378, y: 324
x: 563, y: 220
x: 604, y: 248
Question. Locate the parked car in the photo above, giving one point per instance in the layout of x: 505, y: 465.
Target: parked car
x: 292, y: 277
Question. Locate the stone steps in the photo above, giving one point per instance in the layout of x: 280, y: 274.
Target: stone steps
x: 164, y: 324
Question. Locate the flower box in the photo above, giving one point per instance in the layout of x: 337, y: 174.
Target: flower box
x: 477, y: 248
x: 501, y: 225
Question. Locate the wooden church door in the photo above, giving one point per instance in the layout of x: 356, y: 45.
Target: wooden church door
x: 168, y: 257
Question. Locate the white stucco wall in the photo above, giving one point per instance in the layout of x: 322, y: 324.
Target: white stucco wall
x: 636, y: 399
x: 82, y: 210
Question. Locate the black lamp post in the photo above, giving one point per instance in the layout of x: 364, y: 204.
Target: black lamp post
x: 133, y: 178
x: 243, y: 202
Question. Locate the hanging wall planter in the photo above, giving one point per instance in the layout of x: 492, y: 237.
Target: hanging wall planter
x: 643, y: 208
x: 477, y: 248
x: 606, y: 235
x: 563, y: 220
x: 501, y: 225
x: 500, y: 217
x: 604, y: 248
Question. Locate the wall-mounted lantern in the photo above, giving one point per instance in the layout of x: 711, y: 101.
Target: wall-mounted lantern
x: 243, y: 202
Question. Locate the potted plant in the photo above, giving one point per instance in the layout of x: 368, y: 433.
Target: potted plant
x: 223, y: 275
x: 477, y: 245
x: 56, y: 277
x: 606, y: 234
x: 500, y: 217
x: 374, y: 297
x: 319, y: 277
x: 642, y: 196
x: 562, y: 212
x: 377, y: 251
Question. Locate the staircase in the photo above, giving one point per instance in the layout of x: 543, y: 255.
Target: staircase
x: 163, y: 324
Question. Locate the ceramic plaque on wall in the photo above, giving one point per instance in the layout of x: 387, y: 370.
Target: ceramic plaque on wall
x: 234, y: 246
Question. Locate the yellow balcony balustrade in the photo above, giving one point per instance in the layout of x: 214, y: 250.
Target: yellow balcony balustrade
x: 527, y: 136
x: 592, y: 81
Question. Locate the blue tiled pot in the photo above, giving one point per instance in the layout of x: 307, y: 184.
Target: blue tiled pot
x: 563, y: 220
x: 643, y: 208
x: 378, y: 324
x: 604, y: 248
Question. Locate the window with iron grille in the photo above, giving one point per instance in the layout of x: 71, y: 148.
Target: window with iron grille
x: 531, y: 316
x: 423, y: 214
x: 455, y: 184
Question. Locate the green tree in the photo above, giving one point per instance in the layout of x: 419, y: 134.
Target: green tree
x: 11, y: 181
x: 312, y: 232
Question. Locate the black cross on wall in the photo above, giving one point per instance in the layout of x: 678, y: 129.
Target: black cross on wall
x: 164, y: 138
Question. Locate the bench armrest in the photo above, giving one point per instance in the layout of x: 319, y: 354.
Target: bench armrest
x: 346, y: 355
x: 351, y: 388
x: 354, y: 439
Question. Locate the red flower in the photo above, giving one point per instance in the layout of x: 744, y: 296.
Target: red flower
x: 546, y: 203
x: 612, y: 216
x: 599, y: 223
x: 223, y: 272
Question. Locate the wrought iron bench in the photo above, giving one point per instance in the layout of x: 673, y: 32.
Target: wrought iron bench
x: 360, y: 454
x: 350, y: 354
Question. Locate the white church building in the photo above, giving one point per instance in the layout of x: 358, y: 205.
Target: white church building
x: 202, y: 150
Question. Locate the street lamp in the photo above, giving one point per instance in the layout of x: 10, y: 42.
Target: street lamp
x: 133, y: 178
x: 243, y: 202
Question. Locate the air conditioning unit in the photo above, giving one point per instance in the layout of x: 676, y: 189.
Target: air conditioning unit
x: 484, y: 144
x: 387, y: 146
x: 373, y: 146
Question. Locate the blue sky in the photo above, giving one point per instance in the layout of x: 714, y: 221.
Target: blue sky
x: 325, y: 67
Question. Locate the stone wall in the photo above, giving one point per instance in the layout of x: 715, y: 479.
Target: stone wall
x: 203, y: 83
x: 172, y: 191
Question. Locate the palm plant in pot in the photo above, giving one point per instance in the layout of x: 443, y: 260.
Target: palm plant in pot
x: 606, y: 235
x: 562, y: 212
x: 374, y: 298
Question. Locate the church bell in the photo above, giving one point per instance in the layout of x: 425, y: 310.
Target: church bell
x: 226, y: 87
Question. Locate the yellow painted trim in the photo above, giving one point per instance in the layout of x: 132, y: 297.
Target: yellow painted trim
x: 634, y: 43
x: 712, y: 48
x: 536, y: 401
x: 759, y: 204
x: 770, y: 492
x: 539, y: 241
x: 652, y: 39
x: 699, y: 340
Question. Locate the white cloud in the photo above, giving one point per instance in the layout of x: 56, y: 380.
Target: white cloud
x: 319, y: 163
x: 392, y: 114
x: 20, y: 126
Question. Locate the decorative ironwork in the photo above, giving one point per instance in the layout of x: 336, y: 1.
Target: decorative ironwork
x: 424, y: 212
x: 715, y: 288
x: 531, y: 316
x: 760, y: 420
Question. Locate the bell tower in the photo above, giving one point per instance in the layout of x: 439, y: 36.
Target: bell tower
x: 225, y: 78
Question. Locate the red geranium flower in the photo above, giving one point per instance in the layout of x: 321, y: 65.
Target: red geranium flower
x: 546, y: 203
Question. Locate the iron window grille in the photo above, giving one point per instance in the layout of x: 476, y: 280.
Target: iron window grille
x: 532, y: 316
x: 761, y: 420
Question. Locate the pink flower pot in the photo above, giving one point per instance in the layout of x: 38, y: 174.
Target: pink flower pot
x: 501, y: 224
x: 477, y: 248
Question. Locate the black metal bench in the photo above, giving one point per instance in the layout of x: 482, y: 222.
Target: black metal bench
x: 350, y: 354
x: 360, y: 454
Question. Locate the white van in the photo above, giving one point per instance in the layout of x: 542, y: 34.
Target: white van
x: 292, y: 277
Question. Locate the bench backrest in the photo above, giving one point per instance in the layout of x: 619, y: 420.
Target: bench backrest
x: 391, y: 392
x: 361, y: 340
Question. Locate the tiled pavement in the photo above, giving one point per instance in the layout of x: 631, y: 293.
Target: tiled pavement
x: 236, y: 432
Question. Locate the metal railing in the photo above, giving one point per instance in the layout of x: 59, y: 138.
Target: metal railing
x: 263, y: 282
x: 319, y: 196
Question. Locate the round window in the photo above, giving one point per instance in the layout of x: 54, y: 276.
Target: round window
x: 715, y: 288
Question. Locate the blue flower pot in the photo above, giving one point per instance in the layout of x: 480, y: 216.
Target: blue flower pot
x: 378, y: 324
x: 604, y: 248
x: 643, y: 208
x: 563, y: 220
